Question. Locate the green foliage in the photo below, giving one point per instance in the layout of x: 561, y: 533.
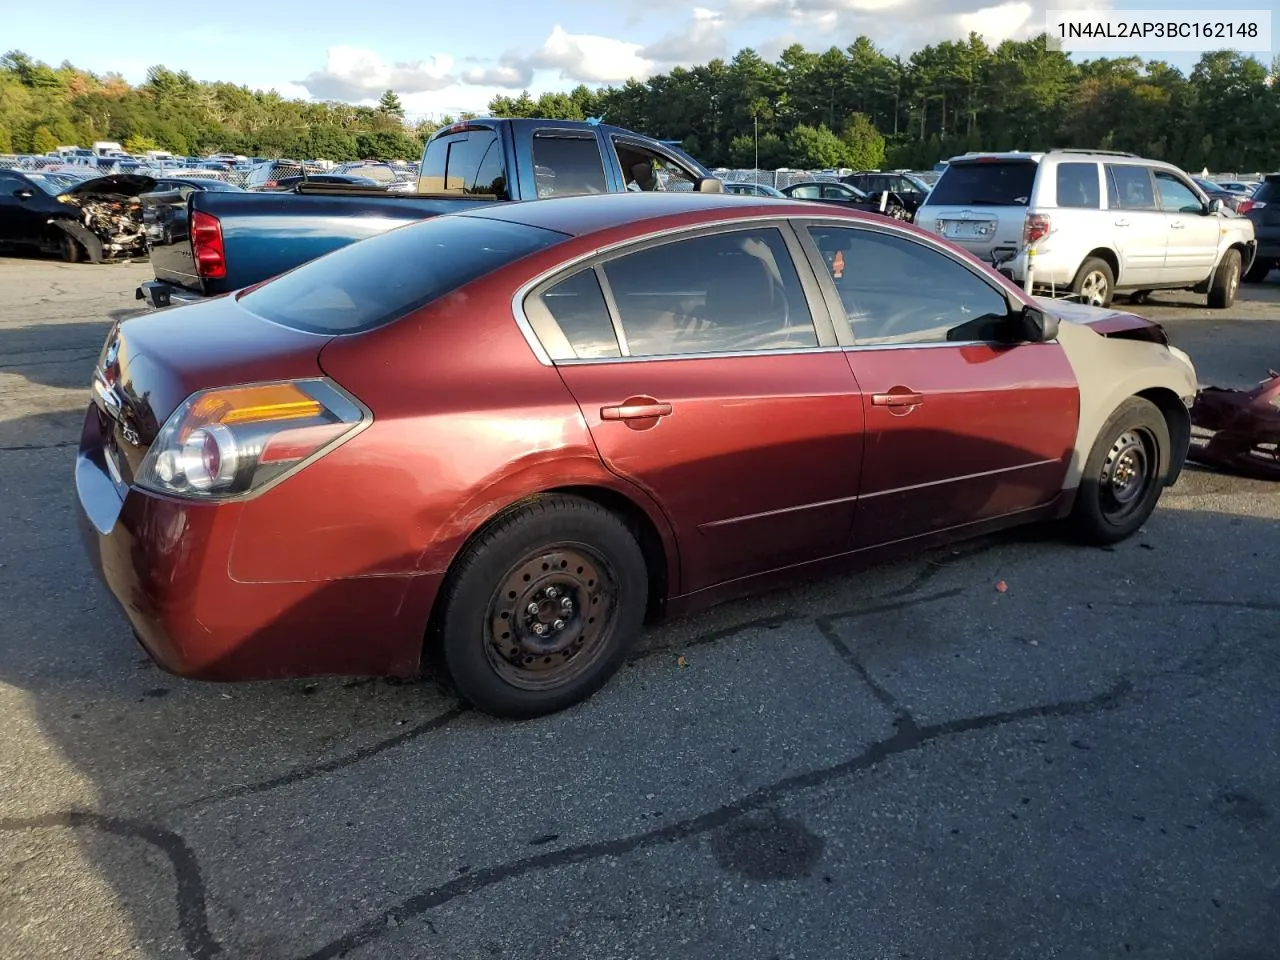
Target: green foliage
x: 942, y: 100
x: 42, y: 107
x: 855, y: 106
x: 138, y: 144
x: 43, y: 140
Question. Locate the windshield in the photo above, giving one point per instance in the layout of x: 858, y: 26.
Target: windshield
x: 375, y: 281
x: 50, y: 183
x: 1000, y: 183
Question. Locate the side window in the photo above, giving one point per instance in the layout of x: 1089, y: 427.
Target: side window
x: 645, y: 170
x: 1078, y: 185
x: 578, y: 307
x: 567, y: 166
x: 807, y: 192
x: 470, y: 162
x: 1129, y: 187
x: 896, y: 290
x: 730, y: 292
x: 834, y: 193
x: 1176, y: 196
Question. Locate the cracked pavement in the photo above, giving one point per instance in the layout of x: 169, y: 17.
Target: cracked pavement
x: 898, y: 763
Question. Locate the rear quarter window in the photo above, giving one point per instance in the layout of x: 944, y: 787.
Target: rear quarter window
x: 998, y: 183
x: 372, y: 282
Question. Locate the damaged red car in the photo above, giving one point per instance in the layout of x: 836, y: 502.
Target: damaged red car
x: 508, y: 437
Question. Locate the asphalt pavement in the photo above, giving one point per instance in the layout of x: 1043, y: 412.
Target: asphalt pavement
x: 905, y: 763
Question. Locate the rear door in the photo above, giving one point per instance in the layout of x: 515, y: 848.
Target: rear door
x: 1191, y: 245
x: 708, y: 373
x: 960, y: 428
x: 1139, y: 230
x: 981, y: 204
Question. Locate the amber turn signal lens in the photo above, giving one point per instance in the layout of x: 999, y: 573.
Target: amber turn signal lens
x: 255, y: 404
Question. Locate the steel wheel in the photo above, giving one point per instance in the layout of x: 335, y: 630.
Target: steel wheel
x: 1127, y: 474
x: 550, y: 617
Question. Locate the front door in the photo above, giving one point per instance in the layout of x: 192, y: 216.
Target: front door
x: 1192, y: 244
x: 719, y: 397
x: 959, y: 428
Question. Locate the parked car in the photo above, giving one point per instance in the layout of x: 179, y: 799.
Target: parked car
x: 907, y: 190
x: 833, y: 191
x: 240, y: 240
x: 97, y: 219
x: 1263, y: 211
x: 1091, y: 222
x: 1230, y: 200
x: 754, y: 190
x: 507, y: 436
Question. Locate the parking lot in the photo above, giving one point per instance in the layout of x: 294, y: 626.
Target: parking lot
x: 906, y: 763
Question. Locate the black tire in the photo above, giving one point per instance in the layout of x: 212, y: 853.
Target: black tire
x: 71, y: 250
x: 1226, y: 281
x: 1094, y: 275
x: 1258, y: 271
x: 581, y: 567
x: 1108, y: 508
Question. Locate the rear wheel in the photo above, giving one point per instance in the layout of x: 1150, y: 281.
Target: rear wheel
x: 1094, y: 283
x: 1124, y: 475
x: 540, y: 610
x: 1226, y: 281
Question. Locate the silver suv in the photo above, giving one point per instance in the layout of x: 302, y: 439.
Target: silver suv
x: 1091, y: 223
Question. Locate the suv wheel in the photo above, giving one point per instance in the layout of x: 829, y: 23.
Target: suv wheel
x: 1226, y: 281
x: 1094, y: 283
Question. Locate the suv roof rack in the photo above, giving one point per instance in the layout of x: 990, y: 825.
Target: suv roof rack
x: 1104, y: 153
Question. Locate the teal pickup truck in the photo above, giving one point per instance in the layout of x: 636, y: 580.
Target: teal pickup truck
x: 205, y: 243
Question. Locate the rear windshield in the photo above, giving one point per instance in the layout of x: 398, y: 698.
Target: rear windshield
x: 1000, y: 183
x: 372, y: 282
x: 1268, y: 190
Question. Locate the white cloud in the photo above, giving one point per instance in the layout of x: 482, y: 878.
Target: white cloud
x: 352, y: 73
x: 575, y: 57
x: 703, y: 40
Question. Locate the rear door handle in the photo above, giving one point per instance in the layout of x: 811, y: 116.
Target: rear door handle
x: 635, y: 411
x: 896, y: 399
x: 1176, y: 224
x: 1122, y: 222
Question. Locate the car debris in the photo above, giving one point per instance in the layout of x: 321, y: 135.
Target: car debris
x: 1242, y: 427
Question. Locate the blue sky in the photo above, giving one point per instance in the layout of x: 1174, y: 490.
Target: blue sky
x: 442, y: 62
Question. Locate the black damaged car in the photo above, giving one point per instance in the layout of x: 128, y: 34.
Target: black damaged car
x: 97, y: 220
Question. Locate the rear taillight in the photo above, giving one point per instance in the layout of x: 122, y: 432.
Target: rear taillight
x: 1036, y: 228
x: 1247, y: 205
x: 206, y: 244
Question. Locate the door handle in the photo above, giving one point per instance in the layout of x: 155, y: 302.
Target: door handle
x: 896, y: 399
x: 1176, y: 225
x: 635, y: 411
x: 1122, y: 222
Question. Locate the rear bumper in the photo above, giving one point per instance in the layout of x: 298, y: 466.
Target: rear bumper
x: 159, y: 294
x: 165, y: 562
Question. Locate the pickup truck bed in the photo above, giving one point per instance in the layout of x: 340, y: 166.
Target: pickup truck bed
x: 264, y: 234
x: 204, y: 244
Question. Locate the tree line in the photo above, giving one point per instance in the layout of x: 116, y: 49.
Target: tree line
x: 856, y: 106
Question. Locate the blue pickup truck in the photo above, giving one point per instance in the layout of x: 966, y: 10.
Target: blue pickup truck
x: 204, y: 244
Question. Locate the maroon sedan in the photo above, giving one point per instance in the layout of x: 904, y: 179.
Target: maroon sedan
x: 510, y: 436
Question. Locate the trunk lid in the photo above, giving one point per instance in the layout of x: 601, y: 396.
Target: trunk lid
x: 151, y: 363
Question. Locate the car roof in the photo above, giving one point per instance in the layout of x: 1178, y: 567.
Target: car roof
x: 581, y: 215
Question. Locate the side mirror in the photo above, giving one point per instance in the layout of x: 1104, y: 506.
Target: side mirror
x: 1036, y: 326
x: 1215, y: 206
x: 709, y: 185
x: 23, y: 194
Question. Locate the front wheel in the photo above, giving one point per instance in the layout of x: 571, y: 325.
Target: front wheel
x: 541, y: 609
x: 1226, y: 281
x: 1124, y: 475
